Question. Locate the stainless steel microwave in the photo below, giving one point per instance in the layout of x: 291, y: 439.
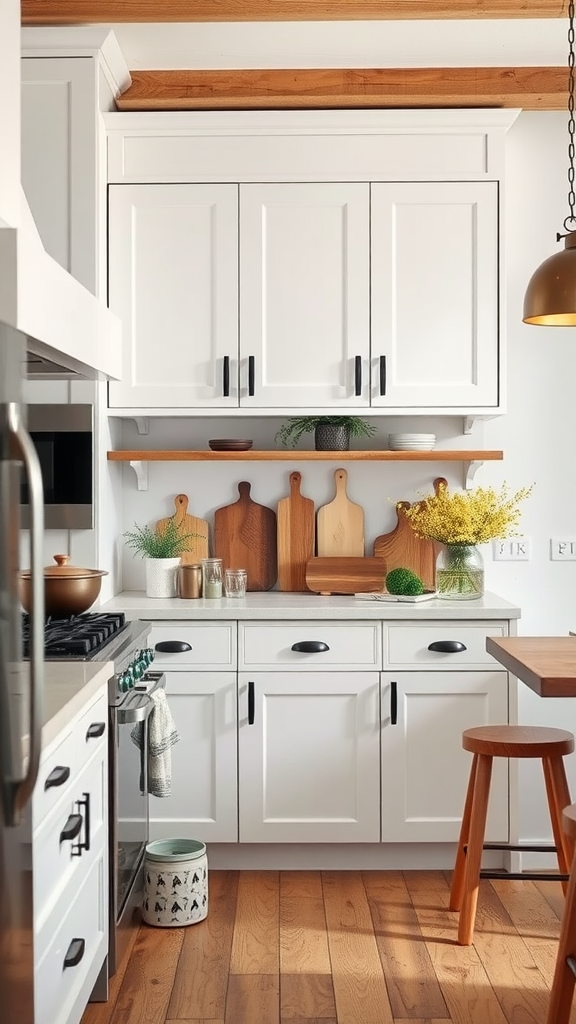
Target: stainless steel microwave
x: 63, y: 436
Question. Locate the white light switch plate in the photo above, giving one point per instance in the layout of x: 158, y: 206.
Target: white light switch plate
x: 514, y: 549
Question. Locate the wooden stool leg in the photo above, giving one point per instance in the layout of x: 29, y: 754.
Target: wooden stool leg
x: 563, y: 984
x: 457, y: 887
x: 474, y: 854
x: 558, y: 798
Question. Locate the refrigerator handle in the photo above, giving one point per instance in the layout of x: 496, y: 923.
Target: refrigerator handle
x: 24, y: 451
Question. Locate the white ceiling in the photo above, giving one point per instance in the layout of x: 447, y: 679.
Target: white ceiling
x: 344, y: 44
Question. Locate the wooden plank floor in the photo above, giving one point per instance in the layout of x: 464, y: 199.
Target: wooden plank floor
x: 329, y: 947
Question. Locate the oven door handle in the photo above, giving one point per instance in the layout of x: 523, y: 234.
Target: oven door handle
x: 130, y: 713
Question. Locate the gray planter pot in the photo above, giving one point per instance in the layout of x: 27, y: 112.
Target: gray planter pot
x: 331, y: 437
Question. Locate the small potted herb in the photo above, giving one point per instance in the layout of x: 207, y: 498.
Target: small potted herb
x: 161, y: 552
x: 331, y: 433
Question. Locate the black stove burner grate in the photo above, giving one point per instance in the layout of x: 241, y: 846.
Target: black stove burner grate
x: 79, y: 636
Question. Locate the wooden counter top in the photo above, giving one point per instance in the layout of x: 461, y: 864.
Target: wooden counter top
x: 547, y: 664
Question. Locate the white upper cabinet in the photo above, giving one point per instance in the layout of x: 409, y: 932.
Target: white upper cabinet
x: 173, y: 279
x: 304, y: 295
x: 434, y: 298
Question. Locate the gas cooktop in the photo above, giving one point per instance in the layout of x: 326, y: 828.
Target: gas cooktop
x: 86, y: 637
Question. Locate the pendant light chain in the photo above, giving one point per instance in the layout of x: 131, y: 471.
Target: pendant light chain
x: 570, y: 221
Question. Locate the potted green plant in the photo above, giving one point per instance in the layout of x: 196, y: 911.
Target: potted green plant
x: 331, y: 433
x: 161, y: 550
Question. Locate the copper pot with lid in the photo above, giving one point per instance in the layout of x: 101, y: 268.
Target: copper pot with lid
x: 68, y: 590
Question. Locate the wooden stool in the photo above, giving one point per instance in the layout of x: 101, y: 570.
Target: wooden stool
x: 563, y: 984
x: 487, y: 742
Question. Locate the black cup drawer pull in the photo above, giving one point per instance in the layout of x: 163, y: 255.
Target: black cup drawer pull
x: 74, y: 953
x: 95, y: 730
x: 173, y: 647
x: 72, y: 827
x: 447, y: 646
x: 310, y: 646
x: 58, y: 776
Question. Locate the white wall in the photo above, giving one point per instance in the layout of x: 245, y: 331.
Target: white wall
x: 9, y: 113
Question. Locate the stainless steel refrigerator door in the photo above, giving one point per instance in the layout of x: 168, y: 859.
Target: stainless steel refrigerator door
x: 21, y: 685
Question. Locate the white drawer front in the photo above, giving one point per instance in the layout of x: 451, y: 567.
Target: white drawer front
x: 212, y: 645
x: 407, y: 644
x: 348, y: 646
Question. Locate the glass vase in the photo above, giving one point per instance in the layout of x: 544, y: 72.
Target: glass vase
x: 460, y: 572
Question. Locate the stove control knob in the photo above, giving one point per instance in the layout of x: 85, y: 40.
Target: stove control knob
x: 138, y: 669
x: 151, y: 654
x: 144, y: 657
x: 125, y: 682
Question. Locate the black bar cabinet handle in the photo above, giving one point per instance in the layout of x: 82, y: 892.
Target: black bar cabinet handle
x: 447, y: 646
x: 173, y: 647
x: 251, y: 368
x: 72, y: 827
x: 95, y: 730
x: 382, y: 375
x: 74, y: 953
x: 393, y: 703
x: 79, y: 847
x: 58, y: 776
x: 358, y: 375
x: 226, y: 377
x: 251, y: 707
x: 310, y: 646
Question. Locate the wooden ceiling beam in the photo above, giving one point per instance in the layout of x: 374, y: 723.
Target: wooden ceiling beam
x: 529, y: 88
x: 75, y: 12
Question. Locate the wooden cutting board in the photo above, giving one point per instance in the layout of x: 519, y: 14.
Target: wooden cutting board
x: 340, y: 524
x: 245, y: 538
x: 345, y: 575
x: 295, y: 537
x: 196, y: 546
x: 402, y: 548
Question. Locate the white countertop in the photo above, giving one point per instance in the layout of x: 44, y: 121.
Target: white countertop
x: 275, y: 605
x: 69, y: 686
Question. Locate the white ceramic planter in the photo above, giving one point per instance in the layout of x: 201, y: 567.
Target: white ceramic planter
x: 161, y: 577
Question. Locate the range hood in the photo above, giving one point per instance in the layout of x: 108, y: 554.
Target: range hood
x: 70, y: 333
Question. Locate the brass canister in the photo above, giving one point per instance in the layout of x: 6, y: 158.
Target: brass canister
x: 190, y: 581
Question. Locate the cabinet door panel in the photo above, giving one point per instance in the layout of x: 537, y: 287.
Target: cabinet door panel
x: 203, y: 804
x: 173, y: 255
x: 424, y: 768
x: 435, y: 293
x: 304, y: 293
x: 308, y: 766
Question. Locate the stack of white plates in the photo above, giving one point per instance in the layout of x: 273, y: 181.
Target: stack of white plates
x: 411, y: 442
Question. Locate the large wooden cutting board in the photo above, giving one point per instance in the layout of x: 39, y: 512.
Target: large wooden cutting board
x: 340, y: 524
x: 245, y: 538
x: 295, y: 537
x: 401, y: 548
x: 345, y: 575
x: 196, y: 547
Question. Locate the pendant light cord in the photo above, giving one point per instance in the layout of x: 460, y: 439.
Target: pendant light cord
x: 570, y: 221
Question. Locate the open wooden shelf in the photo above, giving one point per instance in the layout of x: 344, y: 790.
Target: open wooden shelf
x: 294, y: 455
x: 139, y: 458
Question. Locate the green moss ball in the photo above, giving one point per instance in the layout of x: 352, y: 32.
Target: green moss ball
x: 404, y: 582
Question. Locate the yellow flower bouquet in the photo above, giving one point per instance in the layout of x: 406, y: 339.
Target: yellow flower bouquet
x: 460, y: 521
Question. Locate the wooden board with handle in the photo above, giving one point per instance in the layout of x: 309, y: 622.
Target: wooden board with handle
x: 345, y: 575
x: 245, y: 538
x: 196, y: 547
x: 295, y: 537
x: 340, y: 524
x: 401, y: 548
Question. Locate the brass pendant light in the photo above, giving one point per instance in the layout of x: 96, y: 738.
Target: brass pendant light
x: 550, y: 297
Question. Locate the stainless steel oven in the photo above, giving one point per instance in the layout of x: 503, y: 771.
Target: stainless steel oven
x: 63, y: 436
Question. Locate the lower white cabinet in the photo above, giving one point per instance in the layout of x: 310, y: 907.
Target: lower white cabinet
x: 308, y: 757
x: 424, y: 768
x: 70, y: 866
x: 203, y: 804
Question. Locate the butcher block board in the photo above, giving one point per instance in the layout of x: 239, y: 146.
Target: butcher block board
x: 196, y: 546
x: 295, y: 537
x: 401, y: 548
x: 334, y: 575
x: 245, y: 538
x: 340, y: 524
